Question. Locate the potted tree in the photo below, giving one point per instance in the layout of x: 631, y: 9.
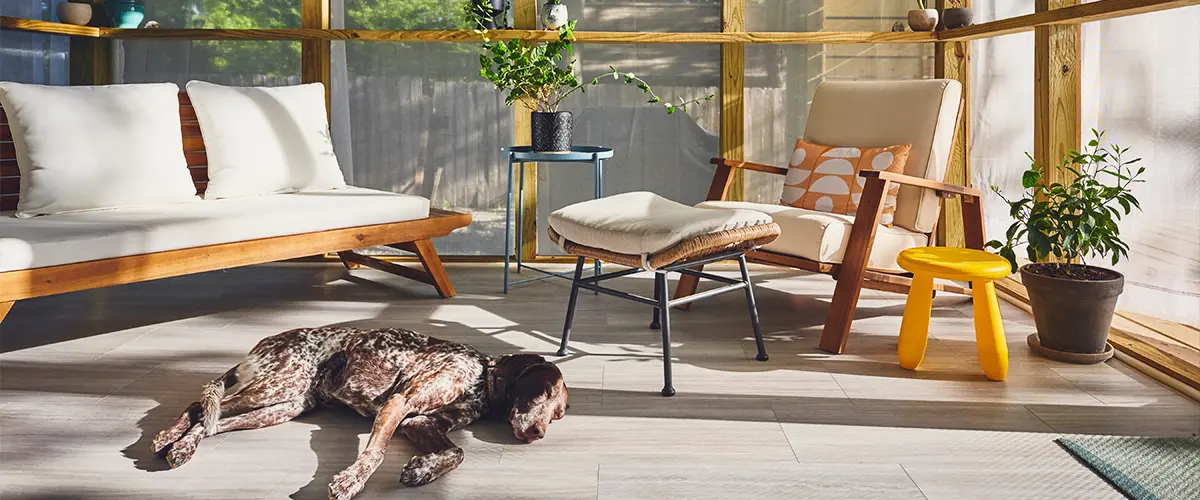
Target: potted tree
x: 1073, y: 301
x: 541, y: 75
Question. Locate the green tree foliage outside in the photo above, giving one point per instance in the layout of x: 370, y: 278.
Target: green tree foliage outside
x: 282, y: 59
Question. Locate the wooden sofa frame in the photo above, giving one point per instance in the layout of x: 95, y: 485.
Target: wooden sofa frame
x: 413, y: 236
x: 852, y: 274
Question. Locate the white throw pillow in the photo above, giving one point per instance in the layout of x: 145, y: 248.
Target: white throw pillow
x: 263, y: 140
x: 87, y: 148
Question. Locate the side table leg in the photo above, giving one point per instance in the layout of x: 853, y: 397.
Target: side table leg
x: 599, y: 168
x: 508, y: 223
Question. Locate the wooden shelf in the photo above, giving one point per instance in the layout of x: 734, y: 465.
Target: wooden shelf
x: 16, y: 23
x: 1086, y: 12
x: 300, y: 34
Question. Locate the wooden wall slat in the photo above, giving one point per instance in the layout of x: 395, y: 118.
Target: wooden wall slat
x: 733, y: 89
x: 525, y: 14
x: 953, y: 60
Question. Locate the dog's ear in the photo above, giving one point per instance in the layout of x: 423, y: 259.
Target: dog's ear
x: 511, y: 366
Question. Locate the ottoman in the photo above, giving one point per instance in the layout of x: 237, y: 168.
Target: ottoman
x: 648, y: 232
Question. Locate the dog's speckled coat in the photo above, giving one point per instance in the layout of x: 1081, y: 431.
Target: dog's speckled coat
x: 424, y: 386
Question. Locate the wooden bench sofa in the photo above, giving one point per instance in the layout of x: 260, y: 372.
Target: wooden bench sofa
x: 27, y: 272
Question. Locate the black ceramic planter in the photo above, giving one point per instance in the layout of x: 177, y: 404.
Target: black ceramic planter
x: 551, y: 131
x: 1072, y: 315
x: 958, y: 17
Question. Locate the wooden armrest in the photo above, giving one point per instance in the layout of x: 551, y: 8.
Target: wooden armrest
x: 940, y: 187
x: 725, y: 162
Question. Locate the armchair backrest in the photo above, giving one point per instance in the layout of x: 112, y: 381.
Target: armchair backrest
x: 869, y: 114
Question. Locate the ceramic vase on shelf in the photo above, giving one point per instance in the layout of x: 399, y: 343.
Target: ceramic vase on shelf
x: 922, y: 19
x: 125, y: 13
x: 958, y: 17
x: 78, y: 14
x: 554, y: 15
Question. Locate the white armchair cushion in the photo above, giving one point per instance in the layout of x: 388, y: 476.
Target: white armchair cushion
x: 264, y: 140
x: 823, y: 237
x: 642, y: 223
x: 86, y: 148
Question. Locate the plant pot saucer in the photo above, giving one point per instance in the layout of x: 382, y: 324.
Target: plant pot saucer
x: 1079, y: 358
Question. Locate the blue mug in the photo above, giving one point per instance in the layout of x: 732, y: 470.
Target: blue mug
x: 125, y: 13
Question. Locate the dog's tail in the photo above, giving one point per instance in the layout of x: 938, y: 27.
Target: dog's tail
x: 210, y: 401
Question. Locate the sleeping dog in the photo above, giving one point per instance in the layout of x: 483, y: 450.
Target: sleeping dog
x: 423, y: 386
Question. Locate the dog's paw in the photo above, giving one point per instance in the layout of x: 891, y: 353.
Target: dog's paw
x: 181, y: 452
x: 161, y: 442
x: 345, y: 485
x: 417, y: 472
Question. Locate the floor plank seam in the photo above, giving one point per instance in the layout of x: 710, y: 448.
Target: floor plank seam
x: 914, y: 482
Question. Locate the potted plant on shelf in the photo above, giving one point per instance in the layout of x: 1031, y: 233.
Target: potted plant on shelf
x: 1072, y: 301
x: 541, y: 75
x: 554, y: 14
x: 482, y: 14
x: 922, y: 18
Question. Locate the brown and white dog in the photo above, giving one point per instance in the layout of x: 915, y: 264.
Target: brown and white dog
x: 423, y: 386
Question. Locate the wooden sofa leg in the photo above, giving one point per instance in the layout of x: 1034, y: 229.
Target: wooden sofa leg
x: 346, y: 256
x: 4, y: 308
x: 687, y: 286
x: 433, y: 265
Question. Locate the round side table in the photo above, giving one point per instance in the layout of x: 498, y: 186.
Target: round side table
x: 525, y: 154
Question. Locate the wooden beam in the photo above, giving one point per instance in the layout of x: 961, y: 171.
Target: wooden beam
x: 733, y: 95
x: 953, y: 60
x: 1075, y: 14
x: 525, y: 14
x: 315, y: 54
x: 91, y: 61
x: 1056, y: 110
x: 51, y: 28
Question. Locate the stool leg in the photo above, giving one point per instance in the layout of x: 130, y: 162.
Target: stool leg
x: 914, y: 329
x: 660, y: 291
x: 562, y: 348
x: 654, y: 323
x: 989, y: 330
x: 758, y: 338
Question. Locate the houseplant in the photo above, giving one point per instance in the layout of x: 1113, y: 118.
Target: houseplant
x: 482, y: 14
x: 541, y: 75
x: 1072, y: 301
x: 554, y: 14
x: 922, y: 18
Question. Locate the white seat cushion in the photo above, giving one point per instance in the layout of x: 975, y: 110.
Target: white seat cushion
x: 642, y: 223
x: 83, y: 236
x: 823, y: 237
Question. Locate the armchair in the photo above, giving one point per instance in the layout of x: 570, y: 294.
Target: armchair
x: 856, y: 250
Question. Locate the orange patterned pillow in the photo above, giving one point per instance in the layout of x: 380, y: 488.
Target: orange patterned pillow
x: 825, y: 178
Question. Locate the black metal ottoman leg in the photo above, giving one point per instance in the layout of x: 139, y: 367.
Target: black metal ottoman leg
x: 562, y: 348
x: 758, y: 338
x: 654, y: 323
x: 664, y: 298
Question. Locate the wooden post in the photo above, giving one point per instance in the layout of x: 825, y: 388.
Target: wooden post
x: 525, y: 18
x: 953, y: 60
x: 1056, y: 109
x: 315, y: 54
x: 91, y: 58
x: 733, y: 85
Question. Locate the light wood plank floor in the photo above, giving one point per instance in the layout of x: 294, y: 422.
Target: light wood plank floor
x: 87, y: 379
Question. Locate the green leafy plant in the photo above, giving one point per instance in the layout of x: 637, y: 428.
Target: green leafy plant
x: 478, y: 11
x: 541, y: 75
x: 1076, y: 220
x: 922, y: 4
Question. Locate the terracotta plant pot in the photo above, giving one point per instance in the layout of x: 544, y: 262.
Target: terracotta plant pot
x: 75, y: 13
x: 922, y: 19
x: 551, y: 132
x: 1072, y: 315
x: 957, y: 17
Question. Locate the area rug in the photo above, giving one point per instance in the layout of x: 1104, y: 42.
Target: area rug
x: 1143, y: 468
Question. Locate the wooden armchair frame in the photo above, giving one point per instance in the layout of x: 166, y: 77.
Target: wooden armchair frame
x: 852, y: 274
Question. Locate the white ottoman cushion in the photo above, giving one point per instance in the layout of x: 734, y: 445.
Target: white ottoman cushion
x: 643, y: 223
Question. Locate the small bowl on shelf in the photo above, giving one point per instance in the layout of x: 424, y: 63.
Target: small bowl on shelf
x: 78, y: 14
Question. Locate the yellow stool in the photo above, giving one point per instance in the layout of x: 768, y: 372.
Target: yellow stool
x: 959, y: 264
